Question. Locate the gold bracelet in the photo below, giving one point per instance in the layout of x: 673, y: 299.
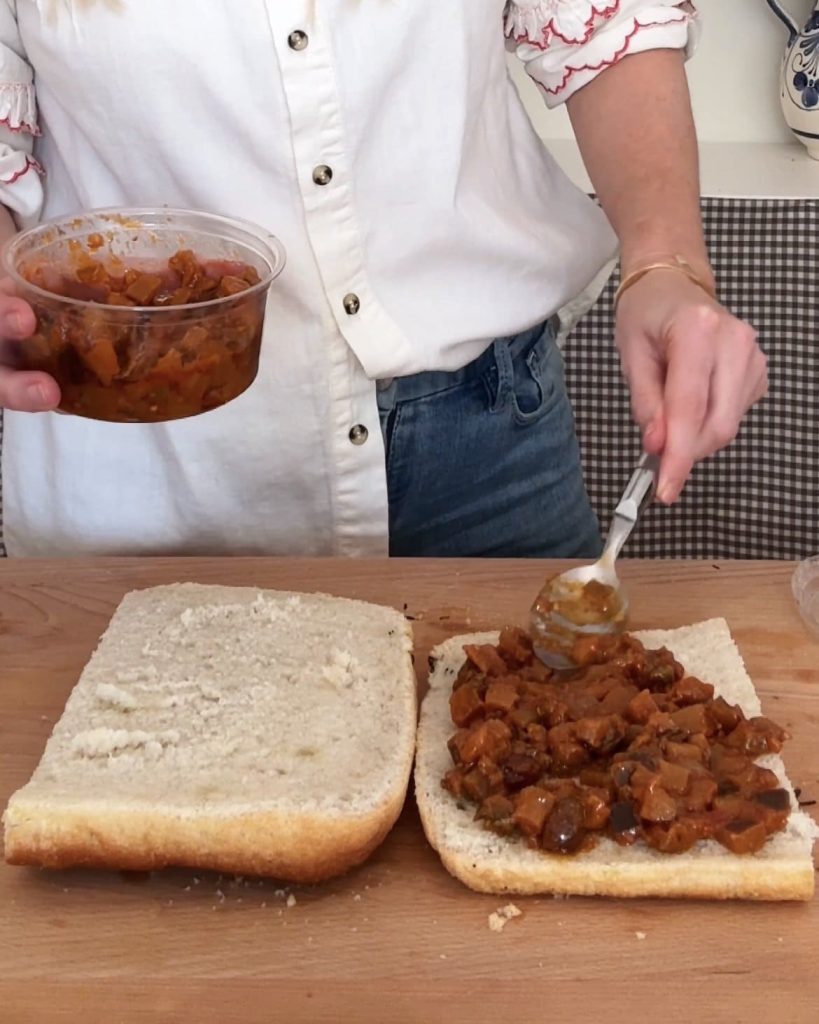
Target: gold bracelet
x: 678, y: 263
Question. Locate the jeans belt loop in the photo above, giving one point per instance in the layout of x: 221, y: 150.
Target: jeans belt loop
x: 503, y: 364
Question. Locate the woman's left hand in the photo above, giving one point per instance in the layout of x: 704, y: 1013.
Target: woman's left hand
x: 694, y: 370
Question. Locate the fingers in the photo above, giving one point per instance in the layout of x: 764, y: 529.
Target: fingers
x: 17, y: 321
x: 646, y: 374
x: 740, y: 379
x: 27, y: 392
x: 22, y: 391
x: 694, y: 371
x: 654, y: 436
x: 716, y: 372
x: 687, y: 390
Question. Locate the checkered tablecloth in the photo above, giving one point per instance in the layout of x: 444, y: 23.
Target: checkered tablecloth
x: 760, y: 497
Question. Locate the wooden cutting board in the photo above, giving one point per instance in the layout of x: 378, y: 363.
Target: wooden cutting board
x: 398, y: 940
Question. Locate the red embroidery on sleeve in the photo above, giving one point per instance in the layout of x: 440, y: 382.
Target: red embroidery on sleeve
x: 551, y: 29
x: 31, y: 165
x: 24, y: 127
x: 618, y: 56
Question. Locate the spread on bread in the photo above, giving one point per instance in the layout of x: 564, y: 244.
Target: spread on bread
x: 627, y: 746
x: 582, y: 604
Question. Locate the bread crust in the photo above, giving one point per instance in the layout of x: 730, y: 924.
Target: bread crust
x: 505, y: 867
x: 301, y: 849
x: 738, y: 879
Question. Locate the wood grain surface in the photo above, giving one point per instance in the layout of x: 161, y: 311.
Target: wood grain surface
x: 397, y: 940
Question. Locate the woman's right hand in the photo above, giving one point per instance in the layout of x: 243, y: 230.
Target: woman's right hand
x: 22, y: 390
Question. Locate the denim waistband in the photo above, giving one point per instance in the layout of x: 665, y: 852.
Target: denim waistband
x: 429, y: 382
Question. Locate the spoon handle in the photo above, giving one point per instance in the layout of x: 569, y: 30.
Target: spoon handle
x: 637, y: 495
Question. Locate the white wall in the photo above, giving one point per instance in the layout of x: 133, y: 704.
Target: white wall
x: 733, y: 76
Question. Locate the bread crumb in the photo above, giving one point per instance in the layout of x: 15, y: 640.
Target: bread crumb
x: 146, y: 673
x: 221, y: 895
x: 291, y: 900
x: 640, y: 935
x: 263, y: 904
x: 357, y: 897
x: 499, y: 919
x: 343, y: 670
x: 104, y: 742
x: 443, y: 956
x: 113, y: 696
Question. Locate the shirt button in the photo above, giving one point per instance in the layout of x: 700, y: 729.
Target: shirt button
x: 298, y: 40
x: 358, y: 434
x: 323, y: 175
x: 352, y: 304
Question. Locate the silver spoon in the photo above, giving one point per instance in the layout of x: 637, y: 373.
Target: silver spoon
x: 553, y: 634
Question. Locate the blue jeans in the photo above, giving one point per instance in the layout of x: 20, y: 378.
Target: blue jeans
x: 484, y: 462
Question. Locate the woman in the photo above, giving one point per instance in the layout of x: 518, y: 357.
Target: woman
x: 430, y: 242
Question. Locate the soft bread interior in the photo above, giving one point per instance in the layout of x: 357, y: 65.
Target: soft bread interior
x: 783, y: 869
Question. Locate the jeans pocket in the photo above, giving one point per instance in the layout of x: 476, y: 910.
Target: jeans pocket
x: 529, y: 376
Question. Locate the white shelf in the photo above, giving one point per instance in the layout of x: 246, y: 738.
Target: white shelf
x: 770, y: 170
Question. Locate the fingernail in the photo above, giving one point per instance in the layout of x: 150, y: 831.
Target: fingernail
x: 36, y: 395
x: 15, y: 322
x: 665, y: 494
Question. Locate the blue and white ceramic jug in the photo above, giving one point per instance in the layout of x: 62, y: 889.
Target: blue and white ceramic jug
x: 800, y: 77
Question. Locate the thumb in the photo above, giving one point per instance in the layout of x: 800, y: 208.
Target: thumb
x: 646, y: 378
x: 27, y: 391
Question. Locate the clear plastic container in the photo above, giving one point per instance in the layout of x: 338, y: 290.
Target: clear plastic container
x: 805, y: 586
x: 143, y: 315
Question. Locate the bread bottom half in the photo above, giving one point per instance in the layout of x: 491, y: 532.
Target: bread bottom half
x: 271, y: 843
x: 486, y: 862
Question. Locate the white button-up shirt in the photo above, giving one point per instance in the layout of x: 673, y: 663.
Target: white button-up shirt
x: 444, y: 217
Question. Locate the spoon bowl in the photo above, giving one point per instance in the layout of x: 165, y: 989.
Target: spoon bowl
x: 590, y: 600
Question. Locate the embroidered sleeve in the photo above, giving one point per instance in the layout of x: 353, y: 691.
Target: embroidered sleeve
x: 20, y: 186
x: 567, y: 43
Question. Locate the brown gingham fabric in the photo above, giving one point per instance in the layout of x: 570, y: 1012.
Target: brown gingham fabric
x: 760, y: 497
